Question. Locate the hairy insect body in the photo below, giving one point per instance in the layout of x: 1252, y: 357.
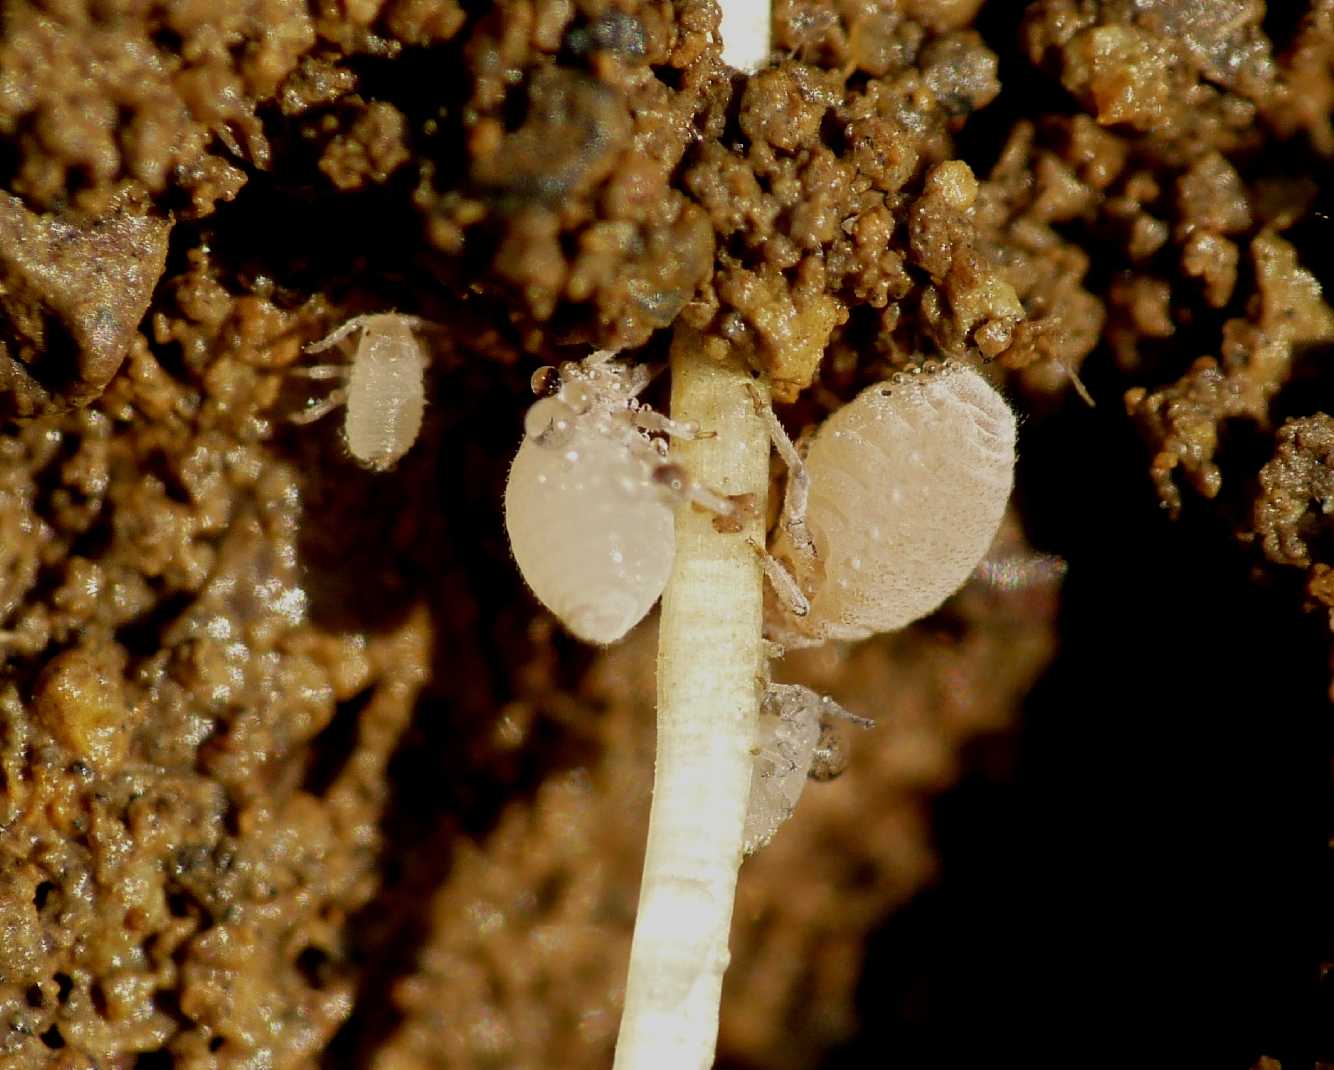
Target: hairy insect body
x: 908, y: 483
x: 384, y: 389
x: 386, y: 393
x: 592, y: 535
x: 590, y: 524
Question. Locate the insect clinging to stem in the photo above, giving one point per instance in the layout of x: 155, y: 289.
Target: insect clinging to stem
x: 895, y: 503
x: 590, y: 497
x: 383, y: 387
x: 792, y: 744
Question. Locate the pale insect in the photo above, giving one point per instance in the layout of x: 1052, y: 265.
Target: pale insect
x: 897, y: 500
x: 794, y: 741
x: 384, y: 387
x: 589, y: 501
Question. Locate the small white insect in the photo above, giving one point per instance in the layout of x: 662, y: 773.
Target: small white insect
x: 896, y: 502
x: 793, y: 743
x: 384, y: 388
x: 588, y: 504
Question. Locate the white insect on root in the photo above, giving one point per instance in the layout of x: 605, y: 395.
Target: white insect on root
x: 792, y: 744
x: 384, y: 387
x: 908, y: 483
x: 589, y: 501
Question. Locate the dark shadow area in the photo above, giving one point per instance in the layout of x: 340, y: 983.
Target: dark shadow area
x: 329, y: 752
x: 1142, y: 876
x: 449, y: 777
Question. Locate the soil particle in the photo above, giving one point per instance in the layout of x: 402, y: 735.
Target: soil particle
x: 566, y: 205
x: 1305, y: 104
x: 967, y: 294
x: 72, y: 294
x: 782, y: 107
x: 575, y: 128
x: 1298, y: 491
x: 97, y: 98
x: 813, y: 196
x: 80, y: 700
x: 1183, y: 421
x: 370, y: 151
x: 961, y: 71
x: 1187, y: 73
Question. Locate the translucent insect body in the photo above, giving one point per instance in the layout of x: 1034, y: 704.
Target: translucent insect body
x: 383, y: 387
x: 792, y: 742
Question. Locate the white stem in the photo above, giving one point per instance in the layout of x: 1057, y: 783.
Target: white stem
x: 745, y: 33
x: 710, y: 655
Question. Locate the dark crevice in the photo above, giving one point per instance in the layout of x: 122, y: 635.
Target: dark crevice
x: 330, y: 751
x: 1146, y: 863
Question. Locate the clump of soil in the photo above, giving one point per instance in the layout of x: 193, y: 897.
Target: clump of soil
x: 294, y: 771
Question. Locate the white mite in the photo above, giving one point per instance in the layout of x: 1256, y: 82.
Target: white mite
x: 791, y: 745
x: 588, y: 505
x: 384, y: 388
x: 902, y: 492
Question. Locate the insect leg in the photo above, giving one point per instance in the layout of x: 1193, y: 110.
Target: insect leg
x: 320, y: 408
x: 683, y: 488
x: 338, y: 334
x: 785, y: 585
x: 322, y: 371
x: 798, y: 491
x: 652, y: 420
x: 792, y: 700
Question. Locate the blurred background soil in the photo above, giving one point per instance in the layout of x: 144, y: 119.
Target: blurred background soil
x: 293, y: 770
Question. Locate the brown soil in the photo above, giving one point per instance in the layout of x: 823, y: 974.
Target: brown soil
x: 293, y: 771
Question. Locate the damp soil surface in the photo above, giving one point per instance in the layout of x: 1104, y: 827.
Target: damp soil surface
x: 294, y: 771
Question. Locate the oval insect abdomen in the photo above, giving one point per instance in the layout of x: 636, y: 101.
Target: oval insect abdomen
x: 591, y: 536
x: 386, y: 393
x: 909, y: 482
